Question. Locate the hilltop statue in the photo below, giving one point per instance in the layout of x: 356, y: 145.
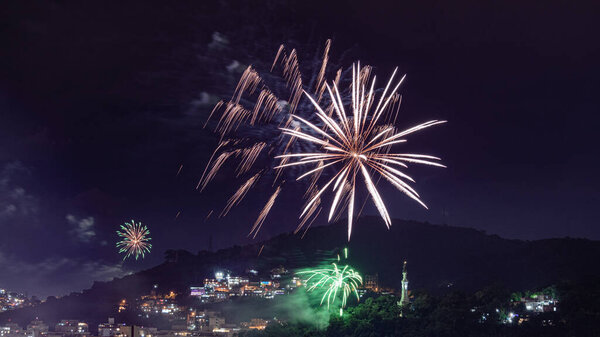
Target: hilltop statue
x: 404, y: 298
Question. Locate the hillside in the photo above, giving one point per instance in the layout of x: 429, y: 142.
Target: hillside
x: 439, y: 258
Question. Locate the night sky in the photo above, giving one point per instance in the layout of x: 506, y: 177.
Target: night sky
x: 100, y: 104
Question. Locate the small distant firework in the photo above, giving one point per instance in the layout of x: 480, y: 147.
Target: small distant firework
x: 336, y: 280
x: 134, y: 240
x: 261, y: 249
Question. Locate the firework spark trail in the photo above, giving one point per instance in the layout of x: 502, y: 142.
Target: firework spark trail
x: 331, y: 107
x: 314, y: 179
x: 215, y: 168
x: 268, y: 102
x: 358, y: 145
x: 260, y: 251
x: 319, y: 86
x: 309, y: 224
x: 314, y: 209
x: 249, y: 81
x: 282, y: 161
x: 279, y: 51
x: 266, y: 107
x: 240, y: 194
x: 249, y: 156
x: 263, y: 214
x: 221, y: 144
x: 134, y: 240
x: 232, y: 117
x: 291, y: 73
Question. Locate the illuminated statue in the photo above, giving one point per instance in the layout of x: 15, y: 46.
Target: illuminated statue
x: 404, y: 299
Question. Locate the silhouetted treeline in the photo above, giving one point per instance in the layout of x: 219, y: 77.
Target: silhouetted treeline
x: 459, y: 314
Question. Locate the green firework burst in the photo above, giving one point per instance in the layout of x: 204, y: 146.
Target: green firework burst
x: 335, y: 281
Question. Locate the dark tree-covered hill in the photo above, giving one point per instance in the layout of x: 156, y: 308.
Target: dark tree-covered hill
x: 439, y: 258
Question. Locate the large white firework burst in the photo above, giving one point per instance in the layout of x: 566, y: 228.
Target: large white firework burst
x: 357, y: 146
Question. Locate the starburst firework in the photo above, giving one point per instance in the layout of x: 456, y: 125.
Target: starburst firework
x: 134, y: 240
x: 357, y: 146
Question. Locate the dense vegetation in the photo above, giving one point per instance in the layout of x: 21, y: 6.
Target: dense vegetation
x: 459, y: 314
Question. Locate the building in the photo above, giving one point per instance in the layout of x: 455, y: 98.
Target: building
x: 372, y: 282
x: 197, y: 291
x: 138, y: 331
x: 12, y: 300
x: 258, y: 324
x: 541, y: 303
x: 236, y: 281
x: 404, y: 298
x: 219, y: 276
x: 11, y: 330
x: 122, y: 306
x: 215, y: 322
x: 71, y: 327
x: 110, y: 329
x: 295, y: 282
x: 36, y: 328
x: 277, y: 273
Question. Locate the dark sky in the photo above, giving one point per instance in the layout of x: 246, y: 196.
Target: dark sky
x: 100, y: 104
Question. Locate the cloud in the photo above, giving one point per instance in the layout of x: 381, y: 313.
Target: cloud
x: 46, y: 258
x: 14, y: 198
x: 19, y: 209
x: 102, y: 271
x: 56, y: 275
x: 83, y: 229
